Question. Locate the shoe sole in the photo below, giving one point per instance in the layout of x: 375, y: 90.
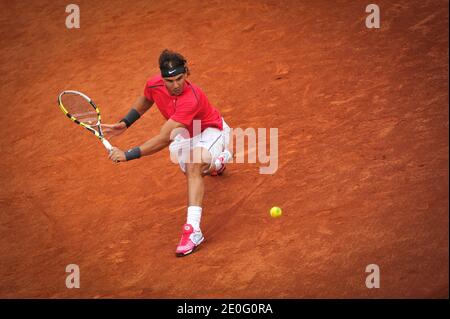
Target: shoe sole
x: 190, y: 251
x: 219, y: 174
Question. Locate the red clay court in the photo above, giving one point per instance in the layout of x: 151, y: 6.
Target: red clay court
x: 363, y: 151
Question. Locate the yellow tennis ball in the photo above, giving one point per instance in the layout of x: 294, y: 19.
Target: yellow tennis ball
x: 275, y: 212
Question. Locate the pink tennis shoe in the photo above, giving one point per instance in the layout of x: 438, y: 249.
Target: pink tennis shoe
x: 190, y: 240
x: 223, y: 158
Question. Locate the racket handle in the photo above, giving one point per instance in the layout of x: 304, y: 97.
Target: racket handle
x: 107, y: 145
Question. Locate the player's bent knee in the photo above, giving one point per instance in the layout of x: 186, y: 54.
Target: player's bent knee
x: 193, y: 169
x: 199, y: 155
x: 200, y: 162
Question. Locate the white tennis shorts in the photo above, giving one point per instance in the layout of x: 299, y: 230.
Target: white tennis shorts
x: 212, y: 139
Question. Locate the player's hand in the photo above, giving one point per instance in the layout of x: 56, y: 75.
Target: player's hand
x: 116, y: 155
x: 110, y: 130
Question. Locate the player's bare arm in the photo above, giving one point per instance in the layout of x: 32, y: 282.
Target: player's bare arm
x: 141, y: 106
x: 152, y: 146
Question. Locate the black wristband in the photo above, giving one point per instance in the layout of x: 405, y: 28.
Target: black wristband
x: 131, y: 117
x: 133, y: 153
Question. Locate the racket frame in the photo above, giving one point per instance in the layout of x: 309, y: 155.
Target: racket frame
x: 99, y: 133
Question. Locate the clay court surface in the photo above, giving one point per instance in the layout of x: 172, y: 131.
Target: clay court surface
x: 363, y: 151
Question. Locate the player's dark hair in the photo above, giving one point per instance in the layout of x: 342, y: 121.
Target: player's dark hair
x: 171, y: 59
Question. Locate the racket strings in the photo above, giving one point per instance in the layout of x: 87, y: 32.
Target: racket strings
x: 80, y: 108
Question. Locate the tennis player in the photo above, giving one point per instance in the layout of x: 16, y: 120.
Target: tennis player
x: 195, y: 132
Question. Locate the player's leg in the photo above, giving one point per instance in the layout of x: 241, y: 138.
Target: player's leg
x: 203, y: 160
x: 221, y: 151
x: 192, y: 236
x: 220, y: 154
x: 194, y: 174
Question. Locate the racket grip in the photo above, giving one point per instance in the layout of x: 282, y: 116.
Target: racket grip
x: 107, y: 145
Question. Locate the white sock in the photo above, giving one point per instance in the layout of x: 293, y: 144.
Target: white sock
x: 194, y: 216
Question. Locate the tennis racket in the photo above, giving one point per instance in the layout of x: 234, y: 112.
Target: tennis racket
x: 81, y: 109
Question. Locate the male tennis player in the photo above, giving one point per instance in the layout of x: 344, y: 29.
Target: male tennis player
x: 200, y: 153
